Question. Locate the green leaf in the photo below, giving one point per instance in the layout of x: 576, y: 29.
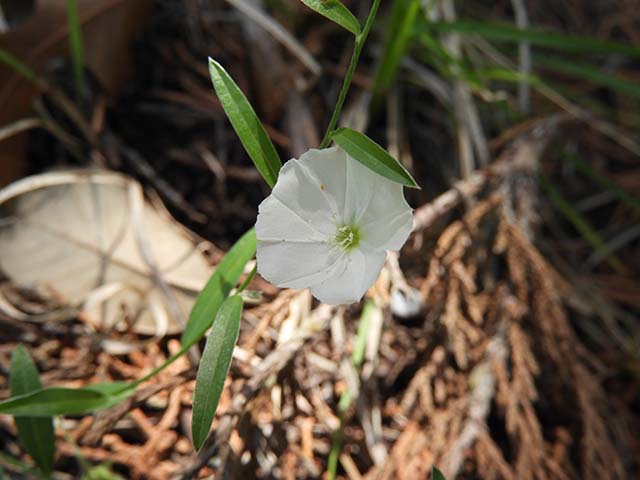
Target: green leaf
x: 336, y: 12
x: 224, y: 278
x: 35, y: 434
x: 436, y: 474
x: 108, y: 388
x: 18, y: 67
x: 511, y: 33
x: 590, y: 73
x: 57, y: 401
x: 372, y: 156
x: 246, y: 124
x: 214, y: 367
x: 402, y: 19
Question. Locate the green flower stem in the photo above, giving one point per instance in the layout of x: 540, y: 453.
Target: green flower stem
x: 355, y: 56
x: 247, y: 280
x: 357, y: 358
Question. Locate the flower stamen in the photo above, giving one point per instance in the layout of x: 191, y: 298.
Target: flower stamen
x: 347, y: 237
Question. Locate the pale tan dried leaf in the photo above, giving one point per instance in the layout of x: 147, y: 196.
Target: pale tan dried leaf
x: 68, y: 233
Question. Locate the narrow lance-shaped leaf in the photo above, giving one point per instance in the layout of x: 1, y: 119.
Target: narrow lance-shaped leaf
x: 35, y: 434
x: 214, y: 367
x: 372, y: 156
x: 246, y: 123
x: 436, y: 474
x: 218, y: 287
x: 59, y: 401
x: 336, y: 12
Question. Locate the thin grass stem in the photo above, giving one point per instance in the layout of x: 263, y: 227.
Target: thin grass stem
x: 355, y: 56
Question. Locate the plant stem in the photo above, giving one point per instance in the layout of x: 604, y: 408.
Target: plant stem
x: 357, y: 357
x: 77, y: 48
x: 355, y: 56
x: 247, y: 280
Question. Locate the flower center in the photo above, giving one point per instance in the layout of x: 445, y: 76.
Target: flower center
x: 347, y: 237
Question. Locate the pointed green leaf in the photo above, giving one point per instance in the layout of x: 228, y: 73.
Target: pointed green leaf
x: 372, y: 155
x: 35, y: 434
x: 57, y: 401
x: 246, y: 124
x: 224, y: 278
x: 336, y: 12
x: 109, y: 388
x: 436, y: 474
x: 214, y: 367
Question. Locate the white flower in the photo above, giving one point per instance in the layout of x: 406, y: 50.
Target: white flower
x: 327, y: 225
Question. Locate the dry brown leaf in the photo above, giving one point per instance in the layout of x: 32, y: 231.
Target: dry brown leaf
x: 88, y: 239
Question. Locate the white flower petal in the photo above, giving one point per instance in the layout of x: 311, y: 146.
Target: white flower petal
x: 351, y: 277
x: 328, y: 168
x: 277, y: 222
x: 295, y: 264
x: 299, y: 191
x: 387, y: 233
x: 361, y: 186
x: 387, y: 221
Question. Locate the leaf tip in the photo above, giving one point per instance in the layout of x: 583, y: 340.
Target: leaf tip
x: 198, y: 439
x: 413, y: 184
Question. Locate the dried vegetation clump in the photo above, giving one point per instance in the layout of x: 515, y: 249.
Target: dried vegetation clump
x: 488, y: 380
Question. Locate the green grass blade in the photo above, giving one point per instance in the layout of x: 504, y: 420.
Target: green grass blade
x: 402, y: 19
x: 580, y: 224
x: 511, y: 33
x: 591, y: 74
x: 506, y: 75
x: 372, y: 156
x: 246, y: 123
x: 336, y: 12
x: 447, y: 65
x: 35, y: 434
x: 369, y: 310
x: 19, y: 67
x: 604, y: 181
x: 224, y: 278
x: 214, y: 366
x: 76, y: 46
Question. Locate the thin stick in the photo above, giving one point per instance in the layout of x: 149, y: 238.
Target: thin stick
x: 279, y: 33
x: 19, y: 126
